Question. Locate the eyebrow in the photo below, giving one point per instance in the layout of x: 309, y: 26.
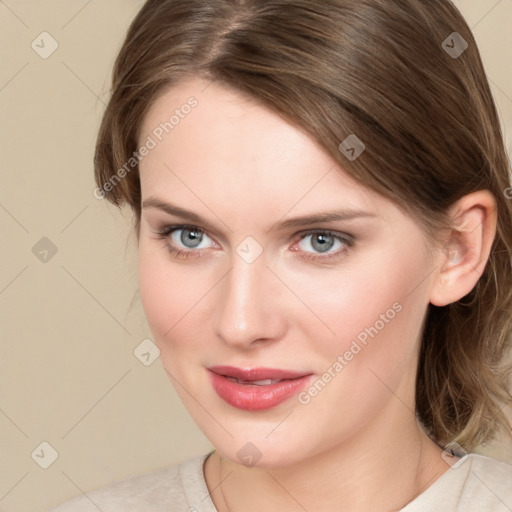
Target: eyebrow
x: 305, y: 220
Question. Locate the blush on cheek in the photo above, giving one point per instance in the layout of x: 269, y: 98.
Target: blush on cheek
x: 157, y: 298
x: 171, y: 298
x: 351, y: 314
x: 376, y: 326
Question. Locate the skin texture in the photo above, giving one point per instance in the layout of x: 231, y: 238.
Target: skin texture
x: 356, y: 445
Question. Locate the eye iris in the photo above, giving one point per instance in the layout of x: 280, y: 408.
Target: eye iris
x: 322, y: 242
x: 191, y: 235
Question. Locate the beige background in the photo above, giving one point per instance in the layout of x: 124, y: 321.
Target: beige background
x: 70, y: 325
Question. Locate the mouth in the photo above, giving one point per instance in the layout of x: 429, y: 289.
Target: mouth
x: 257, y: 375
x: 263, y: 382
x: 256, y: 388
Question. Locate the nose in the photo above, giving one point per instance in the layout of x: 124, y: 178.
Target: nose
x: 248, y: 306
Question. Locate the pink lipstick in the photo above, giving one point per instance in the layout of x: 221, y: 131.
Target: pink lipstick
x: 256, y: 389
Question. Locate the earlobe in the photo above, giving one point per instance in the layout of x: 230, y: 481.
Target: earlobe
x: 462, y: 259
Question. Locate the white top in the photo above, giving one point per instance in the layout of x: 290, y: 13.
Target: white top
x: 477, y: 484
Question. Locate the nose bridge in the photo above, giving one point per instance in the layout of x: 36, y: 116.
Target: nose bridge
x: 242, y: 303
x: 245, y: 281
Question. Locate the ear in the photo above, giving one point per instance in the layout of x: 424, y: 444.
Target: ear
x: 462, y: 260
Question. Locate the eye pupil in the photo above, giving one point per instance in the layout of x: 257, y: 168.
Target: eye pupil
x: 322, y: 242
x: 191, y: 235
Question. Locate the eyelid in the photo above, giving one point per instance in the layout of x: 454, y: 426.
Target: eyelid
x: 347, y: 242
x: 338, y: 234
x: 169, y: 229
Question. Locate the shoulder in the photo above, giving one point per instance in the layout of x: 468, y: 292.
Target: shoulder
x: 162, y: 490
x: 476, y: 483
x: 488, y: 485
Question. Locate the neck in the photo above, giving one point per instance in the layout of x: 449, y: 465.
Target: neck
x: 376, y: 470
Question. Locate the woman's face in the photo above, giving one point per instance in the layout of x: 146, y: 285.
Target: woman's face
x: 339, y: 301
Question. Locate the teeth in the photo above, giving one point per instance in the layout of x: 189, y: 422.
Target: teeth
x: 264, y: 382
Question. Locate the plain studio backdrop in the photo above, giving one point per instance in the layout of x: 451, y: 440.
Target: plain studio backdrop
x: 80, y: 403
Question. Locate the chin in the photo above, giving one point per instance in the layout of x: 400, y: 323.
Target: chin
x: 259, y: 453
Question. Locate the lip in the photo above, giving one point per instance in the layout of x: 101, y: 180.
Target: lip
x: 254, y: 397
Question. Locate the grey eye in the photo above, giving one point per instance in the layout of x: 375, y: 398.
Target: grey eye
x: 190, y: 238
x: 322, y: 242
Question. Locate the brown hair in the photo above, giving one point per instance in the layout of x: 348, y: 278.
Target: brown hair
x: 389, y: 72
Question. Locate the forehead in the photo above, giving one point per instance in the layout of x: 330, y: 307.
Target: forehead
x: 213, y: 145
x: 229, y: 125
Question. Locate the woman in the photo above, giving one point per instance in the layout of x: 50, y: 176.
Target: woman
x: 320, y: 194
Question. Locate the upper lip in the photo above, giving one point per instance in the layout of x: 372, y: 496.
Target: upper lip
x: 257, y: 373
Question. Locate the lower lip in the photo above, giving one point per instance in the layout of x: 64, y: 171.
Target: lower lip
x: 253, y: 397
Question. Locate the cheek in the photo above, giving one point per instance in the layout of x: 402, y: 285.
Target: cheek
x: 152, y: 290
x: 162, y: 293
x: 173, y: 298
x: 369, y: 310
x: 377, y: 320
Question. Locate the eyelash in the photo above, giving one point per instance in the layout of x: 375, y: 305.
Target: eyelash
x: 165, y: 233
